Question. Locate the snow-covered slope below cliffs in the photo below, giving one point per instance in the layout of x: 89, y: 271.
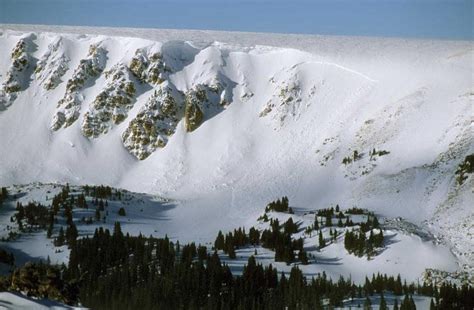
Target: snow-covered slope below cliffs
x: 224, y: 128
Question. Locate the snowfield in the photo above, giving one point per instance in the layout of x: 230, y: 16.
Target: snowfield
x: 283, y: 113
x: 17, y: 301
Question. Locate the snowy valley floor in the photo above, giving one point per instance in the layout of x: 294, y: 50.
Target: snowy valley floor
x: 405, y: 252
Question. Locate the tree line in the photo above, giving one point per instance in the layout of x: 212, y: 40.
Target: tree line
x: 112, y: 270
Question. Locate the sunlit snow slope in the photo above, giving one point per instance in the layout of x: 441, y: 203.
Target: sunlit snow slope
x: 224, y: 128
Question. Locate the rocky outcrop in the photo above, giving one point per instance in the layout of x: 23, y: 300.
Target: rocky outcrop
x: 149, y: 67
x: 52, y: 65
x: 155, y: 122
x: 88, y: 69
x: 439, y: 278
x: 112, y: 104
x: 17, y: 73
x: 289, y: 94
x: 203, y: 101
x: 193, y: 115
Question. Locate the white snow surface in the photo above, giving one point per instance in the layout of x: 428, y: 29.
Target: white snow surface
x: 16, y: 301
x: 328, y: 97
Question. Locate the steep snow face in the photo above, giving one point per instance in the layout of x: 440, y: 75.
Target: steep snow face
x: 224, y: 128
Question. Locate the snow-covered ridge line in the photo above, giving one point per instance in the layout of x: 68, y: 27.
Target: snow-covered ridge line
x: 239, y: 37
x: 346, y: 69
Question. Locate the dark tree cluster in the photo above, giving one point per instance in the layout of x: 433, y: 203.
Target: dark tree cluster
x: 117, y: 271
x: 355, y: 210
x: 231, y: 241
x: 450, y: 297
x: 102, y: 192
x: 32, y: 216
x: 278, y: 238
x: 122, y: 272
x: 81, y: 201
x: 327, y: 212
x: 408, y: 303
x: 280, y: 205
x: 3, y: 195
x: 122, y: 212
x: 349, y: 159
x: 329, y: 220
x: 358, y: 244
x: 379, y: 153
x: 6, y: 257
x: 381, y: 282
x: 330, y: 215
x: 371, y: 223
x: 464, y: 168
x: 66, y: 200
x: 37, y: 216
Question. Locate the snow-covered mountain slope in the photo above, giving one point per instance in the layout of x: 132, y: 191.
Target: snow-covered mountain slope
x: 223, y: 128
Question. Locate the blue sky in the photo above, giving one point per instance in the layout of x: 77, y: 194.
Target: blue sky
x: 451, y: 19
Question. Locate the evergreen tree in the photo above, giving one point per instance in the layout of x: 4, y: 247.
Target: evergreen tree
x: 316, y: 222
x: 254, y: 236
x: 49, y: 233
x: 378, y: 239
x: 220, y: 242
x: 71, y: 234
x: 290, y: 227
x: 356, y: 155
x: 117, y: 230
x: 81, y: 201
x: 408, y: 303
x: 383, y: 303
x: 60, y: 239
x: 398, y: 288
x: 395, y: 304
x: 231, y: 251
x: 322, y: 242
x: 121, y: 212
x: 367, y: 304
x: 328, y: 221
x: 303, y: 257
x: 101, y: 205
